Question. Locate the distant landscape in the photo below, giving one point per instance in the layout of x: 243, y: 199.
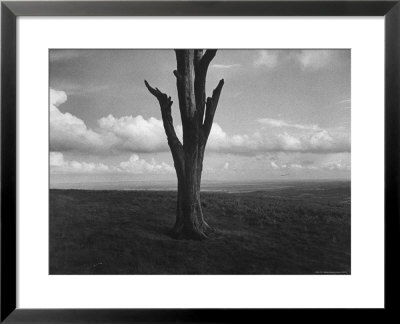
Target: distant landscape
x: 291, y: 227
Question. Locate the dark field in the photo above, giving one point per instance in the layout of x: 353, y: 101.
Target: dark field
x: 296, y: 228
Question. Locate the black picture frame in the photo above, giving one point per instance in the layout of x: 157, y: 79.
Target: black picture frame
x: 9, y: 13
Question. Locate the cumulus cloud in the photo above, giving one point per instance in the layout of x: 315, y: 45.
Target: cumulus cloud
x: 68, y: 132
x: 316, y: 142
x: 336, y: 165
x: 125, y: 134
x: 134, y: 134
x: 134, y: 165
x: 330, y: 166
x: 293, y: 166
x: 59, y: 165
x: 57, y: 97
x: 138, y: 166
x: 56, y: 159
x: 296, y: 161
x: 139, y: 135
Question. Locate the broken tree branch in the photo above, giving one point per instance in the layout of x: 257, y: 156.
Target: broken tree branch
x: 202, y: 62
x: 173, y: 141
x: 211, y: 107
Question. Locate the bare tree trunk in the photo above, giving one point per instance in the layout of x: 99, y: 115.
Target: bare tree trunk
x: 192, y: 66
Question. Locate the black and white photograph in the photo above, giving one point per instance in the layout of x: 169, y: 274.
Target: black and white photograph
x: 200, y: 161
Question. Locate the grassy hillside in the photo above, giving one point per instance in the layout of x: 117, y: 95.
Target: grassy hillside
x: 301, y: 229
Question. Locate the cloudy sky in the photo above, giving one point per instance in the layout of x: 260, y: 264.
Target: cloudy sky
x: 283, y: 114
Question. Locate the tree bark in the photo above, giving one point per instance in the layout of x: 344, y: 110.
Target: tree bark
x: 191, y: 72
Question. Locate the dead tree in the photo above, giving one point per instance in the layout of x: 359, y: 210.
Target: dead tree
x: 197, y: 114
